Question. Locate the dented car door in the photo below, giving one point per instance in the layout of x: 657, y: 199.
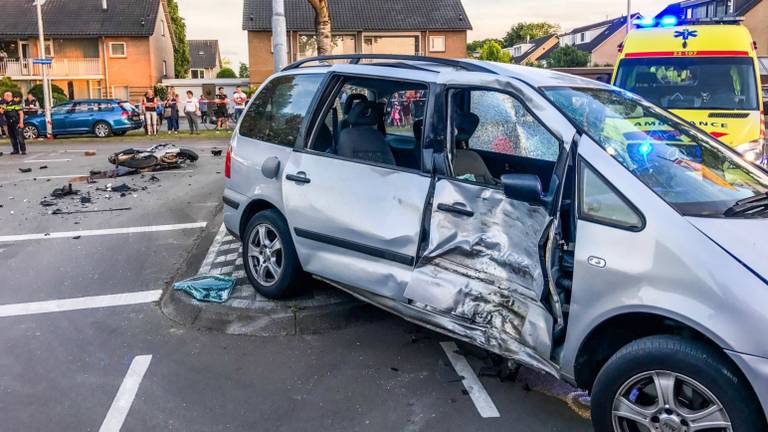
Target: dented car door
x: 482, y: 268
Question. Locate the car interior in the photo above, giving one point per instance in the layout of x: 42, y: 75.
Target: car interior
x: 493, y: 134
x: 375, y: 120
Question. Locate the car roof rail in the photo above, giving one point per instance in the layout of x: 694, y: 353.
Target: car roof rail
x: 356, y: 58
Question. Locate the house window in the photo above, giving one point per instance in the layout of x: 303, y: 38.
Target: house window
x: 165, y: 68
x: 49, y: 48
x: 95, y: 89
x: 162, y: 28
x: 118, y: 49
x: 437, y: 43
x: 582, y: 37
x: 197, y: 73
x: 341, y: 44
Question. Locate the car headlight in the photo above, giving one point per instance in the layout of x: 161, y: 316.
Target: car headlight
x: 752, y: 151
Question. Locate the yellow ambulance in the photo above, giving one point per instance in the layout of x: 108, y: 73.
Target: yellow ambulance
x: 706, y: 73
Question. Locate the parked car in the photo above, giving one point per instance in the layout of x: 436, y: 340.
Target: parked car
x: 101, y: 117
x: 524, y: 211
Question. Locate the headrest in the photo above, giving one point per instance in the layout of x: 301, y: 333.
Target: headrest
x: 364, y: 114
x: 351, y: 100
x: 466, y: 125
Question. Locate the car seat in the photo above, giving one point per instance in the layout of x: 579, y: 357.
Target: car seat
x: 361, y: 140
x: 467, y: 163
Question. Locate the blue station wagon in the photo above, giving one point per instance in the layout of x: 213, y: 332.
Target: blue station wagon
x: 101, y: 117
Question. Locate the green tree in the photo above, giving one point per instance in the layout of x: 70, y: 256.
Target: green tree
x: 243, y: 72
x: 568, y: 56
x: 181, y: 47
x: 525, y: 31
x: 226, y: 73
x: 57, y: 94
x: 8, y: 85
x: 492, y: 51
x: 477, y: 45
x: 160, y: 91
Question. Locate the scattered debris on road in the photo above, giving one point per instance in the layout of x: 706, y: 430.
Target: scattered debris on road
x: 64, y: 191
x: 69, y: 212
x: 43, y: 167
x: 90, y: 153
x: 208, y: 288
x: 216, y: 152
x: 25, y: 170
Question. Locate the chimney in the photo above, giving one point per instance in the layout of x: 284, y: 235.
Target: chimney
x: 103, y: 4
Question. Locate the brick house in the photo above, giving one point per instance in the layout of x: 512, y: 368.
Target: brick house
x: 754, y: 12
x: 100, y: 48
x: 204, y: 59
x: 601, y: 40
x: 425, y: 27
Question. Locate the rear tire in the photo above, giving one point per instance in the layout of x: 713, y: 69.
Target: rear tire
x: 698, y: 377
x: 188, y: 154
x: 269, y: 256
x: 102, y: 129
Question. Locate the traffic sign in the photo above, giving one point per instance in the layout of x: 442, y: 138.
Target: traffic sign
x: 42, y: 61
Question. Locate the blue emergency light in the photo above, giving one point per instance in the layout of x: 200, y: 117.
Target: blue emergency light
x: 648, y: 22
x: 668, y: 21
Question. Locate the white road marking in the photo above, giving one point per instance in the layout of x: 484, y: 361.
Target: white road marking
x: 61, y: 176
x: 46, y: 160
x: 205, y: 267
x: 169, y: 172
x: 480, y: 397
x: 115, y: 418
x: 108, y: 231
x: 75, y: 150
x: 93, y: 302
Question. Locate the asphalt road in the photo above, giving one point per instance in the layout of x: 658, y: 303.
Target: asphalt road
x: 81, y: 365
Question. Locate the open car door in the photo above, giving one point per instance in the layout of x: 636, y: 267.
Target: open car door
x: 485, y: 268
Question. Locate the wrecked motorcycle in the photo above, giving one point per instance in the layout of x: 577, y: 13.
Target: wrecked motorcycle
x: 161, y: 155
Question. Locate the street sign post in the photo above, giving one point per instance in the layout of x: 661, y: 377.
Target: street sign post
x: 42, y: 61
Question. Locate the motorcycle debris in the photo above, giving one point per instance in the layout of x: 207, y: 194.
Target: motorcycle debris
x: 86, y: 199
x: 216, y: 152
x: 64, y: 191
x: 43, y: 167
x: 154, y: 179
x: 123, y: 188
x: 47, y: 203
x: 25, y: 170
x: 90, y: 153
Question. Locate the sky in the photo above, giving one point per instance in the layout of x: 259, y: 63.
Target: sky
x: 222, y: 19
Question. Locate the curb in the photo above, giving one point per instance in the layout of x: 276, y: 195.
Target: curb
x: 326, y: 309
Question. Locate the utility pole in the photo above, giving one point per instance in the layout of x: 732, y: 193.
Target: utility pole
x: 629, y: 16
x: 44, y: 69
x: 279, y: 38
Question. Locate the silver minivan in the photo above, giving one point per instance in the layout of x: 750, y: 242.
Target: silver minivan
x: 564, y: 224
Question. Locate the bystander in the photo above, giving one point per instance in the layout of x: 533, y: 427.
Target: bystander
x: 14, y: 116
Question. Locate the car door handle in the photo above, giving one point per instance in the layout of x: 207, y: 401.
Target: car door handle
x: 455, y: 208
x: 299, y: 177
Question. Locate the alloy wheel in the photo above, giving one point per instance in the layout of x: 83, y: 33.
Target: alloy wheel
x: 661, y: 401
x: 101, y: 130
x: 30, y: 132
x: 265, y: 254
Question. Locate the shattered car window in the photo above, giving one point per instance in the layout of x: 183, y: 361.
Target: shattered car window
x: 694, y: 173
x: 507, y: 127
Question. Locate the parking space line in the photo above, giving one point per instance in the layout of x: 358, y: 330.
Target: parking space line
x: 79, y: 303
x: 205, y: 267
x: 480, y: 397
x: 115, y: 418
x: 108, y: 231
x: 46, y: 160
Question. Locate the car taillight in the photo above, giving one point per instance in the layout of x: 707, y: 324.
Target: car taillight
x: 124, y: 114
x: 228, y: 163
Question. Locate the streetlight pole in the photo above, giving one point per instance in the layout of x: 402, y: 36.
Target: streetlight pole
x: 279, y: 42
x: 629, y: 16
x: 44, y: 69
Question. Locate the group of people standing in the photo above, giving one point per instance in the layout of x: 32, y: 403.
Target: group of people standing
x: 173, y: 107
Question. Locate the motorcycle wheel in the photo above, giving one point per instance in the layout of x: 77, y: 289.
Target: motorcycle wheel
x: 140, y: 163
x: 188, y: 154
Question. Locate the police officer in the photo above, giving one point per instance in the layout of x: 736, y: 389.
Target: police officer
x: 14, y: 115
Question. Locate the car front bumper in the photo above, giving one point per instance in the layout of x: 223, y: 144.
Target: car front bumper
x: 756, y: 371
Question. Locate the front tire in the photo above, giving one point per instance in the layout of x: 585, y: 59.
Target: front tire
x: 669, y: 383
x: 102, y: 129
x: 269, y: 256
x: 190, y: 155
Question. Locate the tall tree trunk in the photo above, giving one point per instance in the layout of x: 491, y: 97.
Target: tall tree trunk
x: 322, y: 27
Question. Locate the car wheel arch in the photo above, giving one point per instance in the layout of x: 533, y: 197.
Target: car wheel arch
x: 255, y: 206
x: 614, y: 332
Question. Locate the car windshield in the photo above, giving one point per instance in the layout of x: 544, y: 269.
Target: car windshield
x: 692, y: 83
x: 694, y: 173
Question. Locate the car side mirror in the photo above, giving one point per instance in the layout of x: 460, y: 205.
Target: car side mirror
x: 523, y: 187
